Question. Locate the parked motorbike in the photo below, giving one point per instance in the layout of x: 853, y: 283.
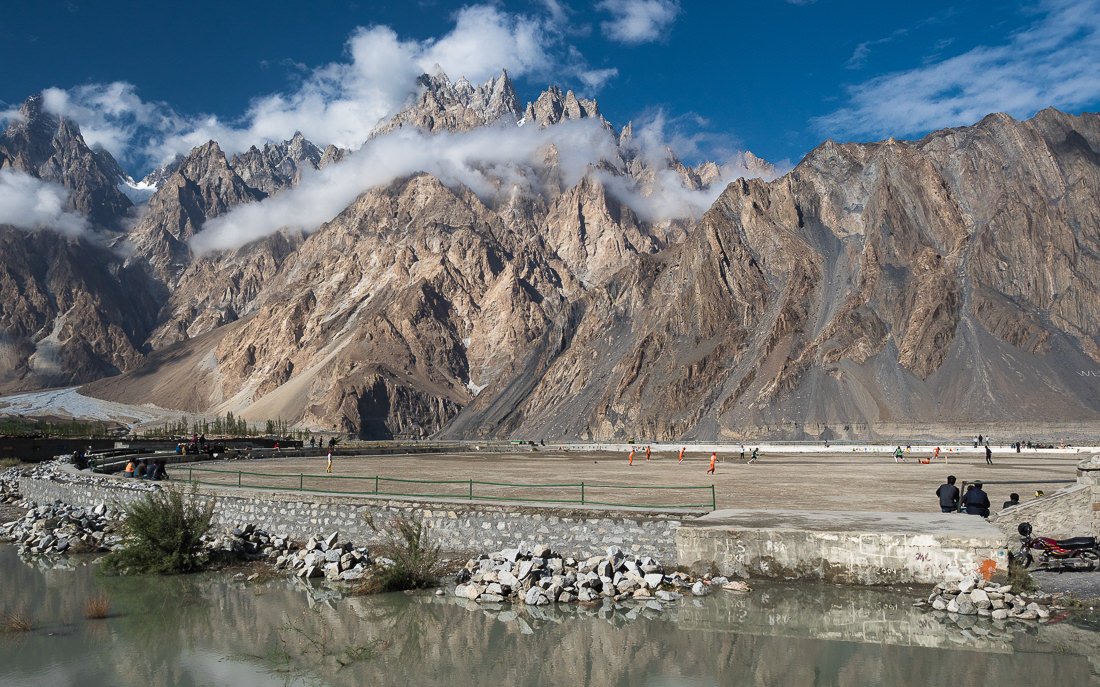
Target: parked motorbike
x: 1077, y: 553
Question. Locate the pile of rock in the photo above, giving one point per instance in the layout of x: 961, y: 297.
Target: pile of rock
x: 538, y: 576
x: 326, y: 557
x: 975, y: 596
x: 249, y: 541
x: 59, y: 528
x: 9, y: 487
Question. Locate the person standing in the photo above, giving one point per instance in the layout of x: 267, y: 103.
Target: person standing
x: 648, y: 453
x: 742, y: 453
x: 682, y: 449
x: 936, y: 454
x: 899, y: 457
x: 948, y: 495
x: 988, y: 455
x: 328, y: 467
x: 630, y: 458
x: 976, y: 501
x: 713, y: 462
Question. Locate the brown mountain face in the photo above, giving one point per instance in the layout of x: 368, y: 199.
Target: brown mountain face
x: 69, y: 311
x: 875, y: 286
x: 939, y: 281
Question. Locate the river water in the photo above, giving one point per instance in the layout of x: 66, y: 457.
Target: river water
x: 213, y: 629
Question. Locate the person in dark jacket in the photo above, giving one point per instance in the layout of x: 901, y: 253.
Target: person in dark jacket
x: 949, y: 496
x: 988, y: 455
x: 976, y: 501
x: 1013, y: 500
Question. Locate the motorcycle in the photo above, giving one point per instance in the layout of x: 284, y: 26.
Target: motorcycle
x: 1077, y: 553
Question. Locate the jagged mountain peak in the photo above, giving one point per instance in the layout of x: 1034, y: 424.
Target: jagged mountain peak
x: 554, y: 106
x: 445, y: 106
x: 50, y: 147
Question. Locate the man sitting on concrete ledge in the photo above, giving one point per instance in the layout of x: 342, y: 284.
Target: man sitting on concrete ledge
x: 976, y: 501
x: 949, y: 496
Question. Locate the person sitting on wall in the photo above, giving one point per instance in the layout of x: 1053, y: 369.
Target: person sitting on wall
x: 139, y: 471
x: 976, y: 501
x: 130, y: 467
x: 948, y: 495
x: 1013, y: 500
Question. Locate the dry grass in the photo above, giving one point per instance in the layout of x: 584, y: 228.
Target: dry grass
x: 97, y: 607
x: 18, y: 621
x: 6, y: 463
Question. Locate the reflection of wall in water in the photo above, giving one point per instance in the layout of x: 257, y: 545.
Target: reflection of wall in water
x: 773, y: 636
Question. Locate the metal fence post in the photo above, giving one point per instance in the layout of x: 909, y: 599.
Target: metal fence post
x: 301, y: 482
x: 376, y: 484
x: 238, y: 478
x: 471, y: 490
x: 190, y: 478
x: 713, y: 499
x: 582, y: 493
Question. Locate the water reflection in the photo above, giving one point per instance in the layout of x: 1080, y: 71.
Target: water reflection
x: 212, y: 630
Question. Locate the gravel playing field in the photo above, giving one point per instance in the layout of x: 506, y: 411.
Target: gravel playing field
x: 831, y: 481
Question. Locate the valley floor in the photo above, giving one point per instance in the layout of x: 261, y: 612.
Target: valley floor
x: 819, y: 481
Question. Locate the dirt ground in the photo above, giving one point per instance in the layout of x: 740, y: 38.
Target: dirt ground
x: 837, y: 481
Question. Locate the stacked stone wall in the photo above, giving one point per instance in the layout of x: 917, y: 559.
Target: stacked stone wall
x: 461, y: 528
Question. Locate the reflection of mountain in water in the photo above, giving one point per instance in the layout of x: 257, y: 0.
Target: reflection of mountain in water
x: 182, y: 630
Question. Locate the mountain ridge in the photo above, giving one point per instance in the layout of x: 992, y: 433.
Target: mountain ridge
x: 941, y: 279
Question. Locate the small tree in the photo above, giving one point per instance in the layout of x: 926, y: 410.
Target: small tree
x: 163, y: 535
x: 413, y: 560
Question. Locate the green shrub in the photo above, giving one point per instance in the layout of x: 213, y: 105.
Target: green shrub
x: 6, y: 463
x: 163, y: 535
x: 1020, y: 578
x: 416, y: 562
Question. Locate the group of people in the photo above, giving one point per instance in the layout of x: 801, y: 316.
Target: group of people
x: 974, y: 502
x: 143, y: 469
x: 683, y: 449
x: 899, y: 455
x: 315, y: 442
x: 197, y: 446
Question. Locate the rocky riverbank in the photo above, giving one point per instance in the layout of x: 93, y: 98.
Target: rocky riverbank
x: 58, y: 528
x: 974, y: 596
x: 539, y: 576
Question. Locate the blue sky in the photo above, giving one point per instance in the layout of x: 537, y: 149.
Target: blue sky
x: 772, y: 76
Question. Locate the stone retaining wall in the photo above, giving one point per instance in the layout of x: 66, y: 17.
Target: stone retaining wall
x: 1073, y: 511
x: 463, y: 528
x: 848, y: 547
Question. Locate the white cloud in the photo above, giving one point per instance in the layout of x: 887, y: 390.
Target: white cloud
x: 657, y: 138
x: 477, y: 159
x: 637, y: 21
x: 1052, y: 62
x: 109, y: 114
x: 494, y: 162
x: 594, y: 79
x: 341, y: 102
x: 31, y: 204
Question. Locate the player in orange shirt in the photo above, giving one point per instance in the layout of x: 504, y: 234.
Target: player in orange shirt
x: 713, y: 461
x: 630, y: 458
x: 682, y: 449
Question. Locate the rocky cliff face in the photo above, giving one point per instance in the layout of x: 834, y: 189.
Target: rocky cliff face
x: 51, y: 148
x: 935, y: 281
x: 941, y: 280
x: 69, y: 311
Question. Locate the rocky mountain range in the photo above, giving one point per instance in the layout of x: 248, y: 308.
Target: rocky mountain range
x: 873, y: 288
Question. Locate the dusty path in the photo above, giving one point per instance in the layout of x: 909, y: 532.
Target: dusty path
x: 837, y: 481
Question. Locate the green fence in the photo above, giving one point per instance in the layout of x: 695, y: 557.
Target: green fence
x: 578, y: 493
